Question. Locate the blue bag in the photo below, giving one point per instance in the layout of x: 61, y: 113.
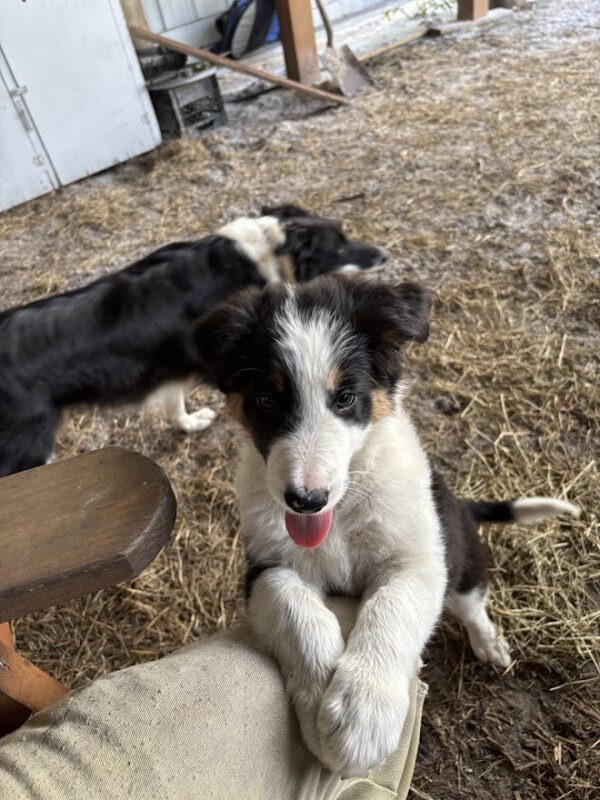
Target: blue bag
x: 247, y: 25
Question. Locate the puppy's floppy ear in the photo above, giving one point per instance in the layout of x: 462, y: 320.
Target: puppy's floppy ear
x: 301, y: 242
x: 215, y: 339
x: 284, y: 212
x: 389, y: 316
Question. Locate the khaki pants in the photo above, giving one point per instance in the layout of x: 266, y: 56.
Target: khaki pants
x: 210, y: 721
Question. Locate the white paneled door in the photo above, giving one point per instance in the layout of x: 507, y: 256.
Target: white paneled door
x: 25, y: 170
x: 71, y: 93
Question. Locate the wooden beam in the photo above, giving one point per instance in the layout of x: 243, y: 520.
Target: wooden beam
x: 298, y: 39
x: 472, y: 9
x: 236, y: 66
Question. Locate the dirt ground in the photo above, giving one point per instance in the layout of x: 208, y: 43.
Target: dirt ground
x: 476, y: 162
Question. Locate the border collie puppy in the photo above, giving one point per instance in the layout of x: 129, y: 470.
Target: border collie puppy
x: 123, y: 338
x: 337, y: 496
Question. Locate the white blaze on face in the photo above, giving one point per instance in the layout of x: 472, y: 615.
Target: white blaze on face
x: 317, y: 452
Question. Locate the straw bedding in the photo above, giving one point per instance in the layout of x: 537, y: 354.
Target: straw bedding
x: 476, y: 163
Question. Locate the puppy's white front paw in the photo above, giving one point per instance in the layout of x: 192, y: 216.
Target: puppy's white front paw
x: 197, y: 421
x: 491, y: 649
x: 306, y: 704
x: 307, y: 684
x: 361, y: 718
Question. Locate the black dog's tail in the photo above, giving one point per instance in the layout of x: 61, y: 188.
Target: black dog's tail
x: 525, y: 511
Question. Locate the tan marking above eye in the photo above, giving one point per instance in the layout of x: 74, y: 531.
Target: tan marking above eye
x: 286, y: 268
x: 382, y: 405
x: 334, y: 379
x: 235, y: 404
x: 276, y: 379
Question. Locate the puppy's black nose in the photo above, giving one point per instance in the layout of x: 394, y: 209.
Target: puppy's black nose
x: 303, y: 502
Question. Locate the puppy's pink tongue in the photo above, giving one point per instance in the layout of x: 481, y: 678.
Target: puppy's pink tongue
x: 308, y: 530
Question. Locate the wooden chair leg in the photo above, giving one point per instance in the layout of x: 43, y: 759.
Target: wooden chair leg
x: 26, y: 684
x: 12, y: 713
x: 472, y: 9
x: 6, y: 635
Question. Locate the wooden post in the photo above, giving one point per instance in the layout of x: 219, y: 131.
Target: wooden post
x: 298, y: 39
x: 472, y: 9
x: 134, y: 15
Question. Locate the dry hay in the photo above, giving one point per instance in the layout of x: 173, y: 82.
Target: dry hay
x: 476, y: 164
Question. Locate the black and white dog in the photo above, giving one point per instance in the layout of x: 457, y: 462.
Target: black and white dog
x: 123, y: 337
x: 338, y: 497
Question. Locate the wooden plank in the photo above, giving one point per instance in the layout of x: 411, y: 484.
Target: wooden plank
x: 298, y: 39
x: 79, y: 525
x: 25, y: 683
x: 238, y: 66
x: 472, y: 9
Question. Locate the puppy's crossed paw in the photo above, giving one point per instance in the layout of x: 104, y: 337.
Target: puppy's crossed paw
x: 360, y: 722
x: 307, y: 710
x: 308, y: 684
x: 198, y: 420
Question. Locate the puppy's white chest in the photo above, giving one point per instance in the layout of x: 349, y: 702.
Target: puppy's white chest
x: 339, y: 566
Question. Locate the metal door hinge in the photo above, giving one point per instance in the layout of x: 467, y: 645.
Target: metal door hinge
x: 16, y: 95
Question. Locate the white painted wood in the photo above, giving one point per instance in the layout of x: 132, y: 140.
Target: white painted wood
x: 25, y: 171
x: 86, y: 93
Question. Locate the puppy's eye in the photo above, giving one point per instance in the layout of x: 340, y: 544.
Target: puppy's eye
x: 344, y: 399
x: 265, y: 400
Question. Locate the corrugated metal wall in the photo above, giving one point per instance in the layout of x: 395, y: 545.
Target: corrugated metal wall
x: 193, y: 21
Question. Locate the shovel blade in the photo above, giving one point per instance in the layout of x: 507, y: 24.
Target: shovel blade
x: 346, y: 70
